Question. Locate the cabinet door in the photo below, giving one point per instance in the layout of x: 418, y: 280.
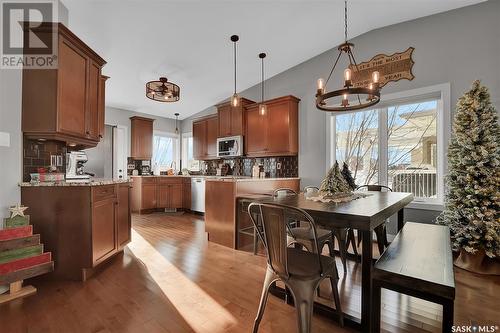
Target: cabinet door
x: 123, y: 224
x: 72, y: 89
x: 278, y: 137
x: 186, y: 194
x: 142, y: 139
x: 92, y: 114
x: 102, y: 105
x: 199, y: 140
x: 149, y: 199
x: 237, y: 120
x: 163, y: 196
x: 103, y: 229
x: 212, y: 131
x: 176, y: 198
x: 256, y: 133
x: 224, y: 113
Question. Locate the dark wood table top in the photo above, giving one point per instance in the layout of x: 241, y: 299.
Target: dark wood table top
x: 362, y: 214
x: 420, y: 253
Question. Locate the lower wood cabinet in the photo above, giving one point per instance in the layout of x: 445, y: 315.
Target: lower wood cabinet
x: 150, y: 193
x: 82, y: 226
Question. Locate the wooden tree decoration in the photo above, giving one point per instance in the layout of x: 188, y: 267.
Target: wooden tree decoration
x: 21, y: 255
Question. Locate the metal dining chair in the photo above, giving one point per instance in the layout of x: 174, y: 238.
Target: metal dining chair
x: 339, y: 233
x: 300, y: 271
x: 381, y: 230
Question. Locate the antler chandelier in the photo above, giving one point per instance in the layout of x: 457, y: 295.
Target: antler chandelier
x: 352, y: 98
x: 162, y: 90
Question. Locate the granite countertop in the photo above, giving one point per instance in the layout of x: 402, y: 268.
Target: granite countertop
x: 249, y: 179
x: 92, y: 182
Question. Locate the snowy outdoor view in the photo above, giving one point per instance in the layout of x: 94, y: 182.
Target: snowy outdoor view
x: 411, y: 147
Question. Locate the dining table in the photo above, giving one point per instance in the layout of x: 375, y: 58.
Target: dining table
x: 363, y: 214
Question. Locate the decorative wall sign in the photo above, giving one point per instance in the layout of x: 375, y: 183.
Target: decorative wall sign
x: 392, y: 68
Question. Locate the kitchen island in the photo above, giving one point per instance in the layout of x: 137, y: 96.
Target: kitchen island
x: 221, y: 201
x: 82, y: 224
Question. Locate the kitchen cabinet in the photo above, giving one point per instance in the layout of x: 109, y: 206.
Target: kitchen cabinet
x: 141, y: 135
x: 205, y: 132
x: 83, y: 226
x: 63, y: 103
x: 102, y: 105
x: 159, y: 192
x: 276, y: 132
x: 231, y: 120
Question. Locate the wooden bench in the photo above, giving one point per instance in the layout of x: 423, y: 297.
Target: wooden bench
x: 418, y: 263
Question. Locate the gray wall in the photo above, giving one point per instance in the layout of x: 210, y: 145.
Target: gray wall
x: 456, y: 47
x: 10, y: 122
x: 100, y: 157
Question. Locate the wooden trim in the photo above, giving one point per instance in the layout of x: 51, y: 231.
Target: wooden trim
x: 242, y: 99
x: 275, y: 101
x: 141, y: 118
x: 203, y: 118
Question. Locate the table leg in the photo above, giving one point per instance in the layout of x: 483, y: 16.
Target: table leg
x: 366, y: 280
x: 401, y: 218
x: 376, y: 298
x: 447, y: 315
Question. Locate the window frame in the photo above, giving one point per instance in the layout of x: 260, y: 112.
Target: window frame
x: 184, y: 159
x: 439, y: 92
x: 176, y: 146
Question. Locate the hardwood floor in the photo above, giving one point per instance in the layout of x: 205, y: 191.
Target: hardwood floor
x: 170, y: 279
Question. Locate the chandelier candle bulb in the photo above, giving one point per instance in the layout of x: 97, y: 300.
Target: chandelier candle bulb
x: 375, y: 77
x: 347, y: 77
x: 321, y: 86
x: 345, y: 101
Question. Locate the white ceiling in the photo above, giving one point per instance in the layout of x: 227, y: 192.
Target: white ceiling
x: 188, y: 41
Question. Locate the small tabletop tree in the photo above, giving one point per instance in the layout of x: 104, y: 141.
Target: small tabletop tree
x: 473, y: 198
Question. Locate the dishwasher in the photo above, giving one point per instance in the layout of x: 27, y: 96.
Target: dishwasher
x: 198, y: 194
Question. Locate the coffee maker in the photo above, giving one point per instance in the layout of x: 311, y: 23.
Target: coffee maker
x: 75, y: 161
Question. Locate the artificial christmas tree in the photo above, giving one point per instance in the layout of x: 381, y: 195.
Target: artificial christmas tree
x: 334, y: 182
x: 346, y: 173
x: 473, y: 198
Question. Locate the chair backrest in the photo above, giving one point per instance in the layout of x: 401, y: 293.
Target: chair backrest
x: 375, y: 188
x: 273, y: 233
x: 311, y: 189
x: 283, y: 192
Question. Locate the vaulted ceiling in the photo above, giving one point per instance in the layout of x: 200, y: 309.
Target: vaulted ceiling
x: 188, y: 41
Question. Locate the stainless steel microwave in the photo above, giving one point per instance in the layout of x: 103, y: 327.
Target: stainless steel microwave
x: 230, y: 146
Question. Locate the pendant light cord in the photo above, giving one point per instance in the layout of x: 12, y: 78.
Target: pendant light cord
x: 345, y: 20
x: 262, y: 84
x: 234, y: 67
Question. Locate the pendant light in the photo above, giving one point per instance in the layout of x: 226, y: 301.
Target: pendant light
x: 262, y: 106
x: 352, y: 98
x: 235, y: 99
x: 176, y: 120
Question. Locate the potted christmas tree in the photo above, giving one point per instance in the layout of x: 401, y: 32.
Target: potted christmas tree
x: 473, y: 197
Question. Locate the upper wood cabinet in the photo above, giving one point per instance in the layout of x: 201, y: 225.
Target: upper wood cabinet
x: 64, y: 103
x: 231, y: 119
x: 141, y: 135
x: 102, y: 105
x: 274, y: 133
x: 205, y: 132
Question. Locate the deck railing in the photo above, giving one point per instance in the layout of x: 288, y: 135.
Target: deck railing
x: 422, y: 183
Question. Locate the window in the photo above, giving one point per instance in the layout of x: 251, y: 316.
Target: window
x: 165, y: 150
x: 188, y: 161
x: 400, y: 144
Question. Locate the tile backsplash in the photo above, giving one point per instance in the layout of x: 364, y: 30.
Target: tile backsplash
x: 288, y: 166
x: 36, y: 154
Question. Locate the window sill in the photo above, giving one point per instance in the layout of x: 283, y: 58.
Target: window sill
x: 425, y: 205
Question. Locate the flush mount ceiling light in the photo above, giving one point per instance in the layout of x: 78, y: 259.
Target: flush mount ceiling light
x: 162, y: 90
x: 348, y: 98
x: 262, y: 106
x: 235, y: 99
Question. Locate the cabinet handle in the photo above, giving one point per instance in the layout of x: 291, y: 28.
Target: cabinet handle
x: 100, y: 136
x: 87, y: 132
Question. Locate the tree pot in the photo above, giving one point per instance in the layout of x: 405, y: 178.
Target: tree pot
x: 477, y: 263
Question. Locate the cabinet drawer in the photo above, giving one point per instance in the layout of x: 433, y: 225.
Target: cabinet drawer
x: 148, y: 180
x: 173, y: 180
x: 103, y: 192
